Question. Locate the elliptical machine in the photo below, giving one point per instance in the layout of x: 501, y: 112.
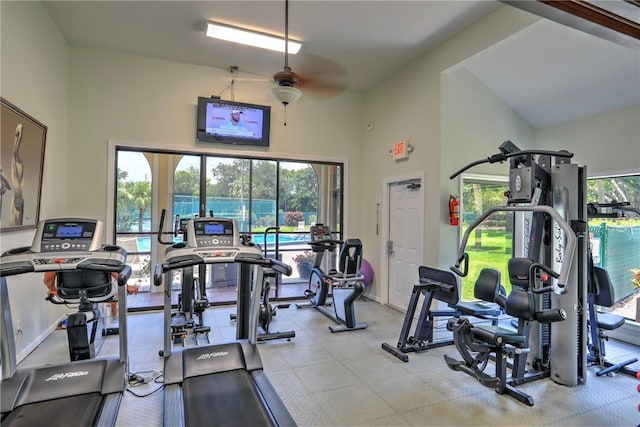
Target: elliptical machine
x: 192, y: 300
x: 345, y: 283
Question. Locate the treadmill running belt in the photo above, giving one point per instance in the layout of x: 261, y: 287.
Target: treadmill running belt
x: 69, y: 411
x: 223, y: 399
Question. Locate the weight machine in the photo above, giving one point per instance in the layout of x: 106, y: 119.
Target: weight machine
x: 547, y: 199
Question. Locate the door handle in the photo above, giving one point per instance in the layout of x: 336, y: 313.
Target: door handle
x: 389, y: 247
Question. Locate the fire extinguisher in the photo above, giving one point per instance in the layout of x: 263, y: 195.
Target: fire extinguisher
x: 454, y: 210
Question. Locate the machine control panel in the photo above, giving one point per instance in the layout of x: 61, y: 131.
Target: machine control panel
x: 320, y: 232
x: 67, y: 235
x: 209, y: 240
x: 211, y: 232
x: 64, y: 244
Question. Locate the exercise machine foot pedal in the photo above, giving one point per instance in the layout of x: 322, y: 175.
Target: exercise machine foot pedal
x: 484, y: 379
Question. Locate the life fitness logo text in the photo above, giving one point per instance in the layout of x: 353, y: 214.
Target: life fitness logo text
x: 207, y: 356
x: 62, y: 376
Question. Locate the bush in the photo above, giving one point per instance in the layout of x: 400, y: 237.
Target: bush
x: 293, y: 218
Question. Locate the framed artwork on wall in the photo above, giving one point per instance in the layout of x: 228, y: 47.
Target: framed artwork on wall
x: 22, y: 146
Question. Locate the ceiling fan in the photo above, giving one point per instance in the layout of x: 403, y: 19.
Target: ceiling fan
x: 286, y: 80
x: 317, y: 76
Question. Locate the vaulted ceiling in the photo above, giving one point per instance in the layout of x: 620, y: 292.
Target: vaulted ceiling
x: 362, y: 43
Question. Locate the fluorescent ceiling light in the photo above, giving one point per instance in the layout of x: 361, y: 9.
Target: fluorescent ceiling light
x: 251, y: 38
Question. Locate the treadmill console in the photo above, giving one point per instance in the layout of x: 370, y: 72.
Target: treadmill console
x: 60, y: 235
x: 212, y: 232
x: 64, y: 244
x: 209, y: 240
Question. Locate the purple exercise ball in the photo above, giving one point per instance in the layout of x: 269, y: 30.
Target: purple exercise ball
x: 367, y: 272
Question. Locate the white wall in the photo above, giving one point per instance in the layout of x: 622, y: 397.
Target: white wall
x: 125, y: 97
x: 607, y: 143
x: 34, y: 77
x: 474, y: 124
x: 408, y: 106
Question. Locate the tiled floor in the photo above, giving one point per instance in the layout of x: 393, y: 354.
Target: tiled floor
x: 346, y: 379
x: 223, y: 294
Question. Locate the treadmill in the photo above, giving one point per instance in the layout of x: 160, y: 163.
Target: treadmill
x: 222, y: 384
x: 87, y: 392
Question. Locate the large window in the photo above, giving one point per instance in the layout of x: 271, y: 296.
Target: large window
x: 489, y: 246
x: 258, y: 193
x: 615, y: 242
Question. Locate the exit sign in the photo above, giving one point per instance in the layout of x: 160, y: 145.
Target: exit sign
x: 399, y: 150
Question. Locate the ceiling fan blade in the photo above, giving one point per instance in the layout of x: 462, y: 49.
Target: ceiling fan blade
x: 320, y: 77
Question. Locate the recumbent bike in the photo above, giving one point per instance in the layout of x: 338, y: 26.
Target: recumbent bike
x: 346, y: 283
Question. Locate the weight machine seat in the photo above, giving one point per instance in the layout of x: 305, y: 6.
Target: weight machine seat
x: 609, y: 322
x: 605, y: 297
x: 486, y: 290
x: 601, y: 292
x: 484, y: 339
x: 98, y: 285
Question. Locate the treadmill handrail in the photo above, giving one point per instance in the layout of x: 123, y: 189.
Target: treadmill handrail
x: 15, y: 263
x: 563, y: 275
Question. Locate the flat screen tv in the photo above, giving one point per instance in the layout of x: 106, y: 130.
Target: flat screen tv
x: 231, y: 122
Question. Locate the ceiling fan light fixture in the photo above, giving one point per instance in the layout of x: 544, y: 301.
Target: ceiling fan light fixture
x: 286, y: 94
x: 251, y: 38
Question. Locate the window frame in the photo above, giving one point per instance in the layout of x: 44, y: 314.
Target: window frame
x: 115, y: 146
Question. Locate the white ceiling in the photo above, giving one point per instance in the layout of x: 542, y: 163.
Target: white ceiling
x: 549, y: 74
x: 370, y: 40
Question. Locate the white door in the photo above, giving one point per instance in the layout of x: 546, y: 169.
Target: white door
x: 404, y: 247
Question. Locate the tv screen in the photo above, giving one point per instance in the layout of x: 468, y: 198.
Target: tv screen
x: 233, y: 122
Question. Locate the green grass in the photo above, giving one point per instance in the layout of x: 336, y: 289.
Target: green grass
x: 493, y: 251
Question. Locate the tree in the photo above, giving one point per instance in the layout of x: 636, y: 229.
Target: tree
x: 133, y: 199
x: 124, y: 217
x: 231, y: 179
x: 187, y: 182
x: 264, y: 180
x: 621, y: 189
x: 298, y: 188
x: 140, y: 192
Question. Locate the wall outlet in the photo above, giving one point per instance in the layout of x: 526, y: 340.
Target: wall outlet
x: 370, y: 126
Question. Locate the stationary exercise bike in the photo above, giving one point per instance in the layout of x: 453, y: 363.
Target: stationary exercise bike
x: 267, y: 310
x: 345, y: 283
x: 86, y: 288
x: 192, y: 300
